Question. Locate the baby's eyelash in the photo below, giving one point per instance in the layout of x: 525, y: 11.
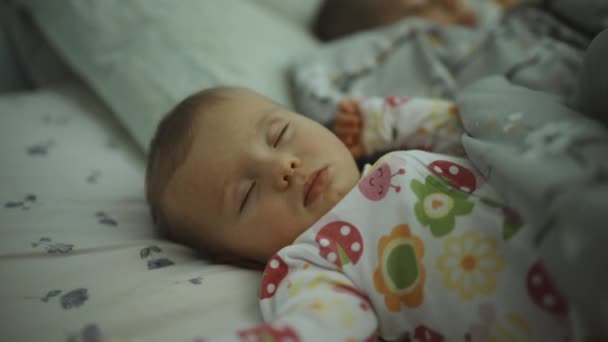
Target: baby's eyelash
x: 280, y: 135
x: 246, y: 197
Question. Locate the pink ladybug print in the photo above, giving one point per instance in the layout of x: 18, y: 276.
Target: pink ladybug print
x: 375, y: 185
x: 394, y: 101
x: 340, y: 243
x: 267, y: 332
x: 456, y: 175
x: 276, y: 270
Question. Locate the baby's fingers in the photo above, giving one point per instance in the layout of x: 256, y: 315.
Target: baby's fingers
x: 344, y: 119
x: 347, y: 130
x: 357, y: 151
x: 349, y: 106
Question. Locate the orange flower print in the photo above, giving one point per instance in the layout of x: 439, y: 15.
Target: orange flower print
x: 400, y: 274
x: 470, y: 264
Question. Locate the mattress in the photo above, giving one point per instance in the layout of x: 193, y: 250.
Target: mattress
x: 79, y: 260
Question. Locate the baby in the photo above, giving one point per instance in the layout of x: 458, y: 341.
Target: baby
x: 419, y: 247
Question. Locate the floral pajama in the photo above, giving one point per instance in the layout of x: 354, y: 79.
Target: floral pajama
x: 398, y: 123
x: 421, y: 247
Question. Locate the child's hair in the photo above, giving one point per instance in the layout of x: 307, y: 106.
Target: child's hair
x: 168, y: 150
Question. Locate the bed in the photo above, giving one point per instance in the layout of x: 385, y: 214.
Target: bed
x: 79, y: 258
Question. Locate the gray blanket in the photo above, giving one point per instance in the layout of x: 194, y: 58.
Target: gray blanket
x: 418, y: 58
x: 549, y: 162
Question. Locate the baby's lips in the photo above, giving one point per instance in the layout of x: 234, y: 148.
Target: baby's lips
x: 314, y: 185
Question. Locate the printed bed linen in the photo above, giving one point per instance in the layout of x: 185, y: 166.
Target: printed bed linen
x: 78, y: 257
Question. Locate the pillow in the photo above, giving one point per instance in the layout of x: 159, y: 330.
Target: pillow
x: 41, y: 64
x: 13, y: 77
x: 300, y: 12
x: 143, y: 56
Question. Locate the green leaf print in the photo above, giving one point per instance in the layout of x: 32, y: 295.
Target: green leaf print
x: 344, y: 259
x: 438, y: 205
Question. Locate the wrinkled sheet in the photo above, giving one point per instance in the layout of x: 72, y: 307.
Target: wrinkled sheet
x: 79, y: 260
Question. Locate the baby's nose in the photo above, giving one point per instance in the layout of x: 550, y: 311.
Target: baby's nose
x: 286, y: 171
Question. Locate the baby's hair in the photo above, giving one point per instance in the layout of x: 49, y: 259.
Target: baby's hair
x: 169, y: 148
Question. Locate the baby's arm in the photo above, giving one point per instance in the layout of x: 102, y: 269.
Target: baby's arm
x: 374, y: 124
x: 304, y: 302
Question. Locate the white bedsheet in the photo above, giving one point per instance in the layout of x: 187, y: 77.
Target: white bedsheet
x: 78, y: 256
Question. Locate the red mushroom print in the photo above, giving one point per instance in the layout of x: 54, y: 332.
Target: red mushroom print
x: 276, y: 270
x: 268, y: 333
x: 340, y: 243
x: 394, y: 101
x: 425, y: 334
x: 543, y: 293
x: 375, y: 185
x: 365, y: 302
x: 456, y: 175
x: 372, y: 338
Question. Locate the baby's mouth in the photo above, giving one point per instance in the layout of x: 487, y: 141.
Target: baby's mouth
x: 314, y: 185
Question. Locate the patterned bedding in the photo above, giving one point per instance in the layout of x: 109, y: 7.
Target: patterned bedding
x: 78, y: 258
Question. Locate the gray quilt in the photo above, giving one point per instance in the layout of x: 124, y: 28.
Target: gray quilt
x: 532, y: 107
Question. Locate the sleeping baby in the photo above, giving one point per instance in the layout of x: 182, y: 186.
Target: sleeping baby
x: 417, y: 247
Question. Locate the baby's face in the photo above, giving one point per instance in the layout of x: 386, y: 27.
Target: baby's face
x: 257, y: 176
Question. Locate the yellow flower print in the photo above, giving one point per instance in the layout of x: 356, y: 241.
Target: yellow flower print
x: 512, y: 327
x: 470, y: 264
x: 294, y: 289
x: 445, y: 116
x: 400, y: 274
x: 377, y: 132
x: 317, y: 306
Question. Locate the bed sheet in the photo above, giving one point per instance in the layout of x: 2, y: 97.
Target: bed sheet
x: 79, y: 260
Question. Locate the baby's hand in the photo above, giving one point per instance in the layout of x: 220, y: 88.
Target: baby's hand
x: 349, y: 125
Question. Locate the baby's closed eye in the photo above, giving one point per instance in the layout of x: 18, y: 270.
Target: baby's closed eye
x: 280, y: 135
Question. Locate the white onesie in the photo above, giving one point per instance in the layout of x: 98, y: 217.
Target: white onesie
x: 421, y: 247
